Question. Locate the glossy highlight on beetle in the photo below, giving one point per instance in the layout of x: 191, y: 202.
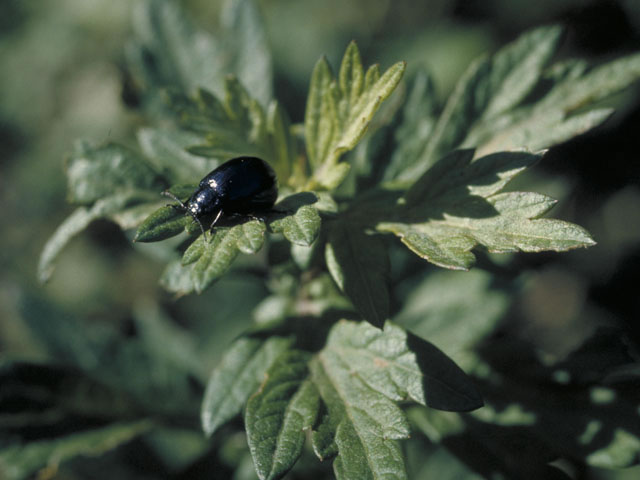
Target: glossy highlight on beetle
x: 240, y: 186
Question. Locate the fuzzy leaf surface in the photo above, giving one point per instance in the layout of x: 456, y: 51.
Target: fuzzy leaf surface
x: 299, y: 221
x: 211, y: 255
x: 361, y: 374
x: 277, y: 415
x: 237, y: 377
x: 455, y: 206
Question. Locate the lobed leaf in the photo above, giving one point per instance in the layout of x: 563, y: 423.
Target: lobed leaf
x: 299, y: 221
x: 402, y: 366
x: 339, y: 111
x: 209, y: 257
x: 455, y: 206
x: 237, y: 377
x: 361, y: 425
x: 98, y: 172
x: 359, y: 264
x: 170, y: 52
x: 278, y: 414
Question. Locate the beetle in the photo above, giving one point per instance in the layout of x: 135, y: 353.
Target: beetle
x: 240, y: 186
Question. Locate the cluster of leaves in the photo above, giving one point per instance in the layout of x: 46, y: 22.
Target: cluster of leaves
x: 325, y: 359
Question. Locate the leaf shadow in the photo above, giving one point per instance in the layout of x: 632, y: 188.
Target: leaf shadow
x: 445, y: 385
x: 571, y: 410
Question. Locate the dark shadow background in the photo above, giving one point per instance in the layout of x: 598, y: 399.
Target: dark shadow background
x: 62, y: 80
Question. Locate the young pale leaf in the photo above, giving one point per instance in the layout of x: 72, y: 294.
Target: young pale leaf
x: 359, y: 264
x: 24, y: 461
x: 237, y: 377
x: 98, y: 172
x: 278, y: 414
x: 299, y: 221
x: 401, y: 366
x: 339, y: 111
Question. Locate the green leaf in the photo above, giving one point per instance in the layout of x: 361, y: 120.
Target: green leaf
x: 278, y: 414
x: 237, y: 377
x: 362, y: 425
x: 455, y: 311
x: 74, y: 224
x: 299, y: 221
x: 210, y: 256
x: 491, y: 86
x: 359, y: 264
x: 245, y: 35
x: 361, y: 374
x: 167, y: 151
x: 98, y: 172
x: 44, y: 456
x: 402, y: 366
x: 238, y: 126
x: 418, y: 122
x: 165, y: 222
x: 454, y: 206
x: 339, y: 112
x: 170, y: 52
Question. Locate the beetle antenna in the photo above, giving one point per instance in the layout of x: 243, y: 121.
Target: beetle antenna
x: 167, y: 193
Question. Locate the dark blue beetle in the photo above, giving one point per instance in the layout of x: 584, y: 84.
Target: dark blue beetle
x: 240, y: 186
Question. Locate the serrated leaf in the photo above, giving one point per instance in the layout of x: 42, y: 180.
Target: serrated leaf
x: 165, y: 222
x: 300, y: 221
x: 238, y: 126
x: 508, y: 225
x: 170, y: 52
x: 98, y: 172
x: 402, y: 366
x: 237, y: 377
x: 359, y: 264
x: 361, y: 374
x: 209, y: 257
x: 74, y: 224
x: 167, y: 151
x: 339, y: 111
x: 363, y: 425
x: 491, y: 86
x: 456, y: 175
x: 23, y: 461
x: 454, y: 206
x: 278, y: 414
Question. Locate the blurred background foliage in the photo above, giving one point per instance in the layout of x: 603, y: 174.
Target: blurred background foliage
x: 63, y: 78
